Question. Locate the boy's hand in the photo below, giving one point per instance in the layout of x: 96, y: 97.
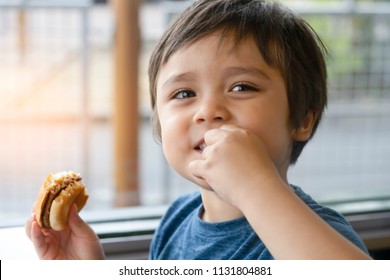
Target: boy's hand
x: 77, y: 241
x: 234, y: 162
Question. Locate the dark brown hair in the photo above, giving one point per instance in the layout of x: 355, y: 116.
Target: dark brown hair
x: 286, y: 42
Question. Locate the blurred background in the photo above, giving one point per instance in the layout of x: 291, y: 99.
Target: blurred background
x: 74, y: 96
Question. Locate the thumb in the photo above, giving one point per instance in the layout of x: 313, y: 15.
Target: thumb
x: 196, y: 167
x: 76, y: 224
x: 199, y: 173
x: 86, y: 240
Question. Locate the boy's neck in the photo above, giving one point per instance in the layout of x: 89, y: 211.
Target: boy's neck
x: 217, y: 210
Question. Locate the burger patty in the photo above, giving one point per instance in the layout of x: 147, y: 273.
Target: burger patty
x: 57, y: 186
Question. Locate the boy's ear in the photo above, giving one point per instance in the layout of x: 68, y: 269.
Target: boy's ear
x: 304, y: 132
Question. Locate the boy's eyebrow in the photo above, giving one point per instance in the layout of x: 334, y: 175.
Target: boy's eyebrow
x: 234, y: 70
x: 186, y: 76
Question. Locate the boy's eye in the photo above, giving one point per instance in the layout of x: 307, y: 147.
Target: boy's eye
x: 182, y: 94
x: 243, y: 87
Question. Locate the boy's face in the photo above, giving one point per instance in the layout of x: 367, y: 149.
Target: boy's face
x: 207, y: 84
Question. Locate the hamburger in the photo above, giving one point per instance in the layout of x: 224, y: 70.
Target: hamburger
x: 58, y: 193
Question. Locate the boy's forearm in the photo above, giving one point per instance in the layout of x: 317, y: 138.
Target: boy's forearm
x: 290, y: 229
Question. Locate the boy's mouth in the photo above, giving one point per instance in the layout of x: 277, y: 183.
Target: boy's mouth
x: 201, y: 146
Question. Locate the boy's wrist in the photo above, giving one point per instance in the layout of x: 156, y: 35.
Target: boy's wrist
x: 258, y: 190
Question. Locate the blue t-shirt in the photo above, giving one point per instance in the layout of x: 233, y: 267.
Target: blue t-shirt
x: 183, y: 235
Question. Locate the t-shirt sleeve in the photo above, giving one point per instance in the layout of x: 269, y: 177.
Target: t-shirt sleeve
x: 341, y: 225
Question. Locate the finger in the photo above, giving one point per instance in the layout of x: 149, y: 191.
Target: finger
x: 38, y: 239
x: 28, y: 224
x: 78, y: 226
x: 74, y: 221
x: 196, y: 168
x: 212, y: 136
x: 229, y: 127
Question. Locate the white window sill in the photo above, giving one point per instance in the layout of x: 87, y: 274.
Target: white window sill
x: 126, y: 233
x: 15, y: 245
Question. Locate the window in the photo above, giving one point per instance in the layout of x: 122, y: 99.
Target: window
x: 56, y: 109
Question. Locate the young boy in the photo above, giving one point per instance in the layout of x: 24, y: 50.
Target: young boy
x: 238, y: 88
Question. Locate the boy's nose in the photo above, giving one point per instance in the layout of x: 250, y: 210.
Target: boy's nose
x: 211, y: 110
